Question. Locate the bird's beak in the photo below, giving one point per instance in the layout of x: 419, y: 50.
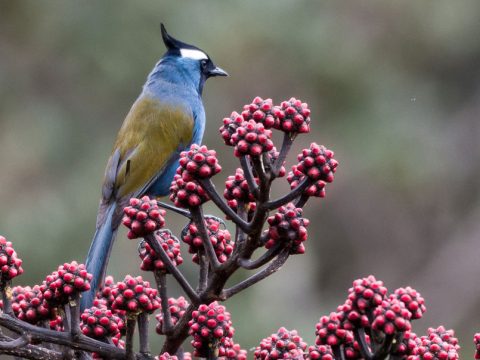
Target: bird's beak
x: 217, y: 72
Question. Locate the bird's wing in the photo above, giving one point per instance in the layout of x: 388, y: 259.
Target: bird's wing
x: 151, y: 134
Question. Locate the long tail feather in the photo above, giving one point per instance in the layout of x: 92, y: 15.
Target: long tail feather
x: 98, y: 255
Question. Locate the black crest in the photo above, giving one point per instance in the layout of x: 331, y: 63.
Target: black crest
x: 173, y: 44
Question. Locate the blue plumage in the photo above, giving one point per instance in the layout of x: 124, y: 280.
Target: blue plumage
x: 166, y: 119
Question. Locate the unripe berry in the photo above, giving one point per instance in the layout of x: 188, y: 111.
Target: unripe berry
x: 230, y: 126
x: 151, y: 260
x: 187, y: 194
x: 279, y: 345
x: 65, y: 283
x: 100, y: 323
x: 292, y: 116
x: 252, y: 139
x: 177, y: 308
x: 143, y: 217
x: 135, y: 302
x: 198, y: 163
x: 288, y: 226
x: 317, y: 163
x: 10, y: 264
x: 204, y: 336
x: 261, y: 111
x: 219, y: 237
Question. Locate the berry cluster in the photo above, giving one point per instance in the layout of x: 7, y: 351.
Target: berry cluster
x: 151, y: 260
x: 261, y: 111
x: 280, y: 345
x: 198, y: 163
x: 295, y: 177
x: 100, y: 323
x: 56, y: 323
x: 444, y: 334
x: 135, y: 296
x: 413, y: 301
x: 407, y: 346
x: 230, y: 126
x: 177, y: 308
x: 329, y: 331
x: 350, y: 317
x: 143, y: 217
x: 166, y: 356
x: 10, y: 263
x: 273, y: 155
x: 210, y: 326
x: 187, y: 194
x: 104, y: 296
x: 252, y: 139
x: 288, y: 225
x: 231, y: 351
x: 62, y: 285
x: 476, y: 341
x: 317, y: 163
x: 367, y: 293
x: 292, y: 116
x: 320, y: 352
x: 391, y: 317
x: 433, y: 347
x: 236, y: 188
x: 218, y: 235
x: 28, y: 304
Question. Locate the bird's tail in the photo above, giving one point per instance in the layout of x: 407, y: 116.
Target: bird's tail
x: 98, y: 255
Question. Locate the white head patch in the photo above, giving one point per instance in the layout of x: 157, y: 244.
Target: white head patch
x: 193, y: 54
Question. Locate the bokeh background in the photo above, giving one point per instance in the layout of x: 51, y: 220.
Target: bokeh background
x: 394, y: 89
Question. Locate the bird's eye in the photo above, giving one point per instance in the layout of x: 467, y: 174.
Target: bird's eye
x: 203, y: 63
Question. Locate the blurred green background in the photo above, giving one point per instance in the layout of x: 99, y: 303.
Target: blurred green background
x: 394, y: 89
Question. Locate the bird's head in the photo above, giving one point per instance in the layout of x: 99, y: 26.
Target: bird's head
x: 189, y: 60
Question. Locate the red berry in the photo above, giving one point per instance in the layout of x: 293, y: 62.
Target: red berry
x: 208, y: 330
x: 143, y: 217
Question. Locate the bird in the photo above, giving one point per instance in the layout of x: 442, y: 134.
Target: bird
x: 167, y: 118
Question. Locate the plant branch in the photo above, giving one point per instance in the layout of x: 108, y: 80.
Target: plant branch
x: 180, y: 333
x: 81, y: 342
x: 385, y: 348
x: 247, y: 171
x: 260, y: 170
x: 203, y: 273
x: 272, y: 268
x: 274, y: 204
x: 262, y: 260
x: 301, y: 201
x: 199, y: 220
x: 6, y: 298
x: 131, y: 321
x: 143, y: 333
x: 161, y: 279
x: 30, y: 351
x: 152, y: 241
x: 175, y: 209
x: 286, y: 145
x: 339, y: 352
x: 222, y: 205
x: 74, y: 310
x: 15, y: 344
x: 359, y: 334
